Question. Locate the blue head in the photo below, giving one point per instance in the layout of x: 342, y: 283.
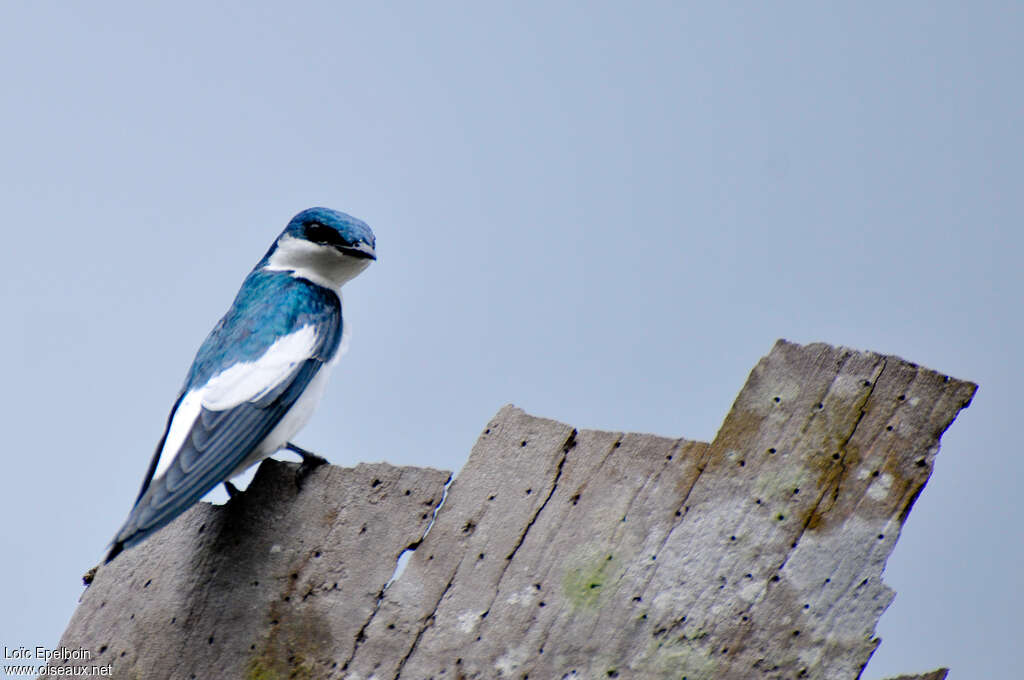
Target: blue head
x: 333, y: 228
x: 324, y: 246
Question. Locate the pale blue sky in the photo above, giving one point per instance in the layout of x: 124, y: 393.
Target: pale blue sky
x: 602, y: 212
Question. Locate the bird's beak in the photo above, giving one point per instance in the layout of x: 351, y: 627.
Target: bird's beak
x: 363, y: 251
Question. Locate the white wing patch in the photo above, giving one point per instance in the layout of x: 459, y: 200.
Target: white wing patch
x: 184, y: 416
x: 250, y: 380
x: 239, y: 383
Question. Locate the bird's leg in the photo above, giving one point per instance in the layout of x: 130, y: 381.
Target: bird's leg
x: 308, y: 457
x: 310, y: 462
x: 231, y: 489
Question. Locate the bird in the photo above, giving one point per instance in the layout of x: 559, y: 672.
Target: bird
x: 260, y: 372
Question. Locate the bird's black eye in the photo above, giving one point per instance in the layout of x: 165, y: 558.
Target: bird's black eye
x: 321, y: 233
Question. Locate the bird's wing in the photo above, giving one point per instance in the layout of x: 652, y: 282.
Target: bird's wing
x: 216, y: 426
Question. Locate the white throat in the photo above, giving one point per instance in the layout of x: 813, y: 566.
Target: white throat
x: 323, y: 265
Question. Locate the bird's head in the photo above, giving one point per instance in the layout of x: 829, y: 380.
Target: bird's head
x: 324, y: 246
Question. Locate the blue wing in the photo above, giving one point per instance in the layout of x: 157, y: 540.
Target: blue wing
x: 219, y: 439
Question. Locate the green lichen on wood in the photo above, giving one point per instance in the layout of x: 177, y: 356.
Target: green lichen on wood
x: 586, y: 579
x: 681, y: 657
x: 269, y: 667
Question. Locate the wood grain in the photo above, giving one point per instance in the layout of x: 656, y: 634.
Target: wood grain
x: 557, y: 553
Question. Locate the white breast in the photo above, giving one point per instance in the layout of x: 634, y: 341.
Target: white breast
x: 293, y: 421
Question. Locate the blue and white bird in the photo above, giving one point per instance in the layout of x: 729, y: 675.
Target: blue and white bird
x: 258, y: 376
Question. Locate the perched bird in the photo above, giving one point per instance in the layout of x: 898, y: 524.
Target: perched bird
x: 260, y: 372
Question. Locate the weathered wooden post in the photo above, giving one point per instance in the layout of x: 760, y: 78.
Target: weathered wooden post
x: 556, y: 553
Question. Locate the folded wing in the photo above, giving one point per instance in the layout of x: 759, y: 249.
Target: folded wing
x: 217, y: 426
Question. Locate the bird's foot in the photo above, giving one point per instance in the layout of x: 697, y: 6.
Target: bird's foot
x: 310, y: 462
x: 231, y: 489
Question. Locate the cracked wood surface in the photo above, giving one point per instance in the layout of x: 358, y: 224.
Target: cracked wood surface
x: 274, y: 582
x: 557, y: 553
